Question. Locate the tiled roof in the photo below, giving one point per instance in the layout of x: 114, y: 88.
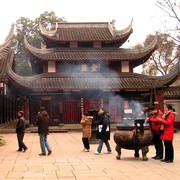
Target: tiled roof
x: 102, y: 31
x: 176, y: 83
x: 75, y: 82
x: 94, y: 54
x: 5, y: 54
x: 172, y: 93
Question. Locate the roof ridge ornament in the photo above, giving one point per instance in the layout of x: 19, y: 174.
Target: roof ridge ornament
x: 115, y: 33
x: 8, y: 38
x: 45, y: 32
x: 113, y: 23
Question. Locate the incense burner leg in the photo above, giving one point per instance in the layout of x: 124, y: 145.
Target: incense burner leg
x: 118, y: 149
x: 145, y: 150
x: 136, y: 153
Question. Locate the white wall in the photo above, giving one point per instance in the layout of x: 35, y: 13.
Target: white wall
x: 176, y: 106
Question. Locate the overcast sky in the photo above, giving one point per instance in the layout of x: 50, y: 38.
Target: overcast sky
x: 145, y: 14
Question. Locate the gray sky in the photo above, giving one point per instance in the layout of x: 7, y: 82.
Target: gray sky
x: 145, y: 14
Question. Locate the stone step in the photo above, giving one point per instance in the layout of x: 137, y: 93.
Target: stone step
x: 62, y: 128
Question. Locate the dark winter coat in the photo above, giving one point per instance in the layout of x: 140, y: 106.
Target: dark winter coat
x: 20, y: 127
x: 104, y: 122
x: 42, y: 122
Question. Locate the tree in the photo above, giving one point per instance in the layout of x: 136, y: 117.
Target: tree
x: 167, y: 55
x: 164, y: 58
x: 23, y: 27
x: 30, y: 29
x: 171, y: 9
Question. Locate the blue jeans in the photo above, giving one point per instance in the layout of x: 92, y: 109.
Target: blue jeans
x: 101, y: 145
x: 44, y: 143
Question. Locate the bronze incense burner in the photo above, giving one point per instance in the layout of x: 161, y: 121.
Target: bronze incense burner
x: 133, y: 137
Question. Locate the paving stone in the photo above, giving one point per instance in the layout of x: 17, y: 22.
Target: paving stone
x: 69, y: 162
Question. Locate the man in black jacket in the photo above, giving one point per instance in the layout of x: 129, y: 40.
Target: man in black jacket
x: 20, y: 130
x: 103, y: 133
x: 43, y: 131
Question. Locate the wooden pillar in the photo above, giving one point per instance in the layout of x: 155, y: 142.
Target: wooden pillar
x: 160, y: 100
x: 102, y: 102
x: 82, y: 106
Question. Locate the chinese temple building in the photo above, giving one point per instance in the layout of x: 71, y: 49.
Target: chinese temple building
x: 9, y: 103
x: 83, y: 66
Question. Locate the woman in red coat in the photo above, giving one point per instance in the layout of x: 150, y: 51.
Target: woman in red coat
x: 168, y: 133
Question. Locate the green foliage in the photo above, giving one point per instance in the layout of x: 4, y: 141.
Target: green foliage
x: 30, y: 29
x: 48, y: 17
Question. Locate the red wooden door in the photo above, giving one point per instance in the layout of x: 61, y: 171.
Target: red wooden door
x: 71, y: 111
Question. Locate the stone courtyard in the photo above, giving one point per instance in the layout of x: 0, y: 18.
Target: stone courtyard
x: 69, y: 162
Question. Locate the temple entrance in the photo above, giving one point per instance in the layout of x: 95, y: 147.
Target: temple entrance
x: 65, y: 109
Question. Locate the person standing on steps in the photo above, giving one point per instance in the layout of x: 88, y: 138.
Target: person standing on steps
x: 20, y: 130
x: 103, y: 133
x: 42, y: 122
